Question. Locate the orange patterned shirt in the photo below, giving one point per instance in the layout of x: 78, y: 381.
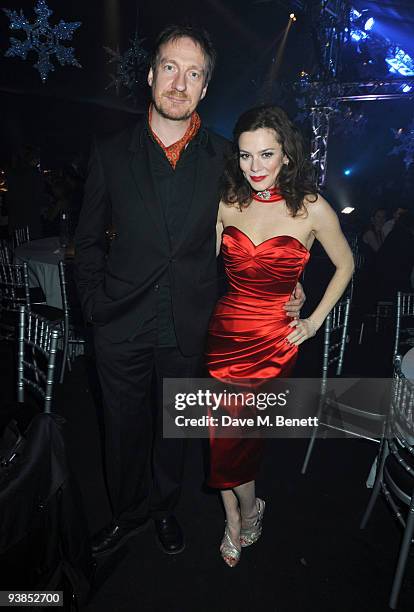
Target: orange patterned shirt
x: 174, y: 151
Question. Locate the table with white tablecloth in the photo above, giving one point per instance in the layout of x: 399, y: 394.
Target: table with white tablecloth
x: 407, y: 364
x: 42, y: 258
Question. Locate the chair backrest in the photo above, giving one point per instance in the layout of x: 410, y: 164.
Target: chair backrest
x: 36, y: 358
x: 359, y: 261
x: 21, y: 235
x: 70, y: 300
x: 404, y: 310
x: 5, y: 252
x: 336, y: 332
x: 64, y: 289
x: 395, y: 475
x: 359, y: 258
x: 14, y: 292
x: 14, y: 286
x: 401, y: 422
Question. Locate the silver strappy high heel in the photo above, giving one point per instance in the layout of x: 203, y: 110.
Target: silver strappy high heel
x: 250, y: 535
x: 230, y: 554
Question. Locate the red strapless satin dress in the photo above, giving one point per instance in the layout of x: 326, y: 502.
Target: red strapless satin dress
x: 247, y: 335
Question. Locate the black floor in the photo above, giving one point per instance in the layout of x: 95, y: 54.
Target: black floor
x: 312, y: 555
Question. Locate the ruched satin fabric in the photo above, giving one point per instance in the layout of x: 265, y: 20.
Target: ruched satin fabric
x: 247, y: 335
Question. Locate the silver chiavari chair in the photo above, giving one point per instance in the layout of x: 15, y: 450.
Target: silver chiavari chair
x: 384, y: 312
x: 336, y: 331
x: 335, y: 338
x: 70, y: 332
x: 404, y: 313
x: 358, y: 412
x: 6, y: 255
x: 14, y: 292
x: 21, y: 235
x: 359, y: 260
x: 395, y: 474
x: 74, y: 327
x: 36, y: 357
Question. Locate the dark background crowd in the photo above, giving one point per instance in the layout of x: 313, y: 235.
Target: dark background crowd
x: 35, y: 197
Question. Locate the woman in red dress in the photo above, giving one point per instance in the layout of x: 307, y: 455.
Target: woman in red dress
x: 268, y: 218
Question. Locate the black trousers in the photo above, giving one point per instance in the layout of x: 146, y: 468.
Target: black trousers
x: 143, y: 470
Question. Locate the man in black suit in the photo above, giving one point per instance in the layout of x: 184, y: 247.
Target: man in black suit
x: 151, y: 296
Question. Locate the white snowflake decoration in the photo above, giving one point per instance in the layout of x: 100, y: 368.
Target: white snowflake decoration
x: 406, y: 144
x: 42, y: 38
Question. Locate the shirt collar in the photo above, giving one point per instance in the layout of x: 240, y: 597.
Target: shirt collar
x: 142, y: 131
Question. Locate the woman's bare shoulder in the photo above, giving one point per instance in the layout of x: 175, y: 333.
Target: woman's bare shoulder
x: 317, y: 206
x: 228, y: 209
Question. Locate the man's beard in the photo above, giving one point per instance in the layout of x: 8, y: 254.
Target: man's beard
x: 166, y: 114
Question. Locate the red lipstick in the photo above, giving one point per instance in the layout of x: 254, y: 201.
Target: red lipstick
x: 257, y: 179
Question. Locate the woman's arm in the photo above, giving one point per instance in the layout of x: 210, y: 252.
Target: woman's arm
x: 325, y: 226
x: 219, y: 229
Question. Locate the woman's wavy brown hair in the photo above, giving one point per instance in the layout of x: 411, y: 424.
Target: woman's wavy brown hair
x: 295, y: 180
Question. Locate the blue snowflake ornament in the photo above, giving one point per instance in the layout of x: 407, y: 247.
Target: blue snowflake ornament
x: 42, y: 38
x: 131, y: 67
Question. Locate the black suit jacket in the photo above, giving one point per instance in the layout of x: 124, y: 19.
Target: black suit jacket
x: 115, y: 289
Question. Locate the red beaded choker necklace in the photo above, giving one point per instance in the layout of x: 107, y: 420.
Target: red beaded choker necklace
x: 268, y: 195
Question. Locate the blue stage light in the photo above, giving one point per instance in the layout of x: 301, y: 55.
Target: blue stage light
x: 399, y: 61
x: 406, y: 88
x: 357, y: 34
x: 354, y: 14
x: 369, y: 24
x: 347, y: 171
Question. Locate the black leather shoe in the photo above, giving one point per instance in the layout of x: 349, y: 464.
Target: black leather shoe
x: 112, y: 537
x: 170, y: 535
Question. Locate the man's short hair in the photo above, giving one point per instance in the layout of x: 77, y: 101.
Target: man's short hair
x: 198, y: 35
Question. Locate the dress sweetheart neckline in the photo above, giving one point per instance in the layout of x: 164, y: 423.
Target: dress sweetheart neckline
x: 267, y: 239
